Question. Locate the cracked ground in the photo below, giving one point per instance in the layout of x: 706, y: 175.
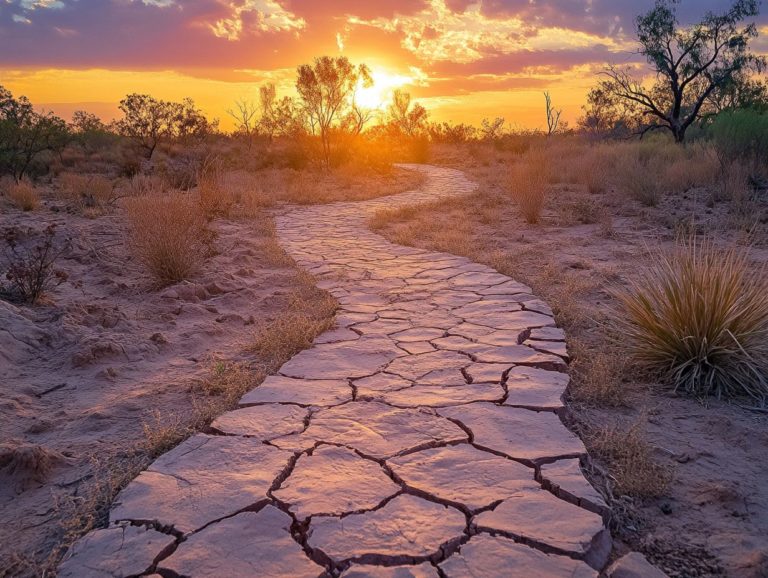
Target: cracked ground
x: 418, y: 438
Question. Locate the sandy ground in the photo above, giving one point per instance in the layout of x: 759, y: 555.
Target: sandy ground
x: 712, y: 520
x: 81, y: 373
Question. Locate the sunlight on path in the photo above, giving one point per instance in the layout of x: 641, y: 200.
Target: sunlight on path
x: 422, y: 432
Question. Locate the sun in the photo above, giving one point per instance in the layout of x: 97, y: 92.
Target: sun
x: 379, y: 96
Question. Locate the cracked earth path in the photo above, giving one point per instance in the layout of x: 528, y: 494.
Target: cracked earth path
x: 418, y: 438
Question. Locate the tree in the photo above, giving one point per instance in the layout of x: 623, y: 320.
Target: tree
x: 244, y: 114
x: 404, y: 118
x: 491, y: 129
x: 25, y: 134
x: 149, y: 121
x: 608, y: 116
x: 553, y: 116
x: 326, y: 89
x: 691, y: 64
x: 89, y: 131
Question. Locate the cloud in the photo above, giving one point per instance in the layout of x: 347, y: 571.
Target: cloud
x: 463, y: 32
x: 255, y: 16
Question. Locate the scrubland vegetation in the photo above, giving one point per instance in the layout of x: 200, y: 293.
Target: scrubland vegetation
x: 651, y: 251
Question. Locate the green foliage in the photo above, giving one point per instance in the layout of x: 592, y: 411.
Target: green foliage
x: 699, y: 317
x: 25, y: 134
x: 741, y: 135
x: 149, y: 121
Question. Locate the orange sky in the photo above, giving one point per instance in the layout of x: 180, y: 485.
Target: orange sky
x: 464, y: 60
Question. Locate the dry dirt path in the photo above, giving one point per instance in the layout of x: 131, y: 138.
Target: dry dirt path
x: 419, y: 438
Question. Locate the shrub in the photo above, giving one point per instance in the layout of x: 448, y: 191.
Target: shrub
x: 168, y: 234
x: 528, y: 183
x: 24, y: 195
x: 741, y: 135
x: 30, y: 272
x: 699, y: 318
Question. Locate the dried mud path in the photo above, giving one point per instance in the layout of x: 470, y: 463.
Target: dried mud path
x: 419, y: 438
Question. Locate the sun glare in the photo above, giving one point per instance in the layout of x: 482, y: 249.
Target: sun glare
x: 379, y: 95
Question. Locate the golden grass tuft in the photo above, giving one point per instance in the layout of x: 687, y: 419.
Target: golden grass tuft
x: 633, y: 469
x: 698, y: 316
x: 86, y: 191
x: 169, y: 235
x: 310, y: 312
x: 216, y: 199
x: 638, y: 180
x: 24, y: 195
x: 528, y: 182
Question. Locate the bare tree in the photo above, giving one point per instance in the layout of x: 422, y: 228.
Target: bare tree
x: 326, y: 88
x: 553, y: 116
x: 244, y: 114
x: 691, y: 63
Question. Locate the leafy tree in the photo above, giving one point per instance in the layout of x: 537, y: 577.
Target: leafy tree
x: 326, y: 89
x: 25, y: 134
x: 691, y: 63
x: 149, y: 121
x: 89, y: 131
x: 407, y: 118
x: 607, y: 116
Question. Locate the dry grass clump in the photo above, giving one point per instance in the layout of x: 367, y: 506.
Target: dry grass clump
x: 633, y: 469
x: 597, y: 375
x: 24, y: 195
x: 639, y: 180
x: 528, y: 185
x: 87, y: 191
x: 169, y: 235
x: 310, y: 312
x: 141, y: 185
x: 699, y: 317
x: 216, y: 199
x: 29, y: 461
x: 594, y: 170
x: 699, y: 168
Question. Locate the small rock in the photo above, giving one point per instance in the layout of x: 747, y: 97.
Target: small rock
x: 633, y: 565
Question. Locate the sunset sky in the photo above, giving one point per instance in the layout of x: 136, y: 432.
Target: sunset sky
x: 463, y: 60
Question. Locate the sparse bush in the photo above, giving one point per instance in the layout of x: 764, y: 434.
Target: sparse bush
x: 168, y: 234
x: 24, y: 195
x: 528, y: 185
x: 699, y: 317
x: 30, y: 272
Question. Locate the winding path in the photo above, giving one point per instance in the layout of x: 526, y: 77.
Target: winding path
x: 419, y: 438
